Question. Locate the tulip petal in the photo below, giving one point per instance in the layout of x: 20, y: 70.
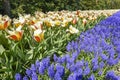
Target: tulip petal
x: 5, y: 24
x: 37, y: 38
x: 13, y: 37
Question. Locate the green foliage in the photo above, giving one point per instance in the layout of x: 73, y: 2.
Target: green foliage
x: 92, y: 4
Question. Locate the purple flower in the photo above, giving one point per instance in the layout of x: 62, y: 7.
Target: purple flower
x: 74, y: 55
x: 74, y: 76
x: 80, y: 63
x: 57, y: 76
x: 73, y: 68
x: 68, y: 47
x: 37, y: 64
x: 41, y: 68
x: 51, y: 71
x: 112, y: 61
x: 60, y: 69
x: 55, y: 58
x: 86, y: 63
x: 103, y: 56
x: 101, y: 64
x: 111, y: 52
x: 116, y: 60
x: 68, y: 66
x: 71, y: 77
x: 102, y: 34
x: 92, y: 77
x: 111, y: 76
x: 46, y: 62
x: 100, y: 72
x: 25, y: 78
x: 86, y: 71
x: 34, y: 76
x: 118, y: 49
x: 79, y: 72
x: 118, y: 77
x: 67, y: 57
x: 33, y: 68
x: 70, y: 60
x: 95, y: 67
x: 61, y: 59
x: 95, y: 61
x: 28, y: 72
x: 18, y: 76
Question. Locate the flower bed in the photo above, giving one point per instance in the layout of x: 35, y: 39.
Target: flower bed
x: 29, y: 38
x: 91, y: 56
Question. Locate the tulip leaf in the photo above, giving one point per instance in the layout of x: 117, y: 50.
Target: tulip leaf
x: 0, y: 32
x: 30, y: 54
x: 1, y: 49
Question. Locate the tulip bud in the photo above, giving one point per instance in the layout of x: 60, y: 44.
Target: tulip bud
x: 74, y: 21
x: 84, y: 21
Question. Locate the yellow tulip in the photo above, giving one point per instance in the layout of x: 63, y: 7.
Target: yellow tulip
x: 47, y: 23
x: 16, y: 34
x: 4, y: 25
x: 38, y: 35
x: 57, y: 23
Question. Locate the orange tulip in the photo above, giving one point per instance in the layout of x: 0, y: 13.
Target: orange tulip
x: 38, y: 35
x: 4, y: 25
x: 36, y: 26
x: 16, y: 34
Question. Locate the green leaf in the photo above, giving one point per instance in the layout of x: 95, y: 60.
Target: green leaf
x: 30, y: 54
x: 1, y: 49
x: 0, y: 33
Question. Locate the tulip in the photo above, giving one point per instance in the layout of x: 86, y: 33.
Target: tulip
x: 72, y: 30
x: 20, y: 21
x: 57, y: 23
x: 32, y: 21
x: 4, y: 22
x: 4, y: 25
x: 84, y: 21
x: 37, y: 25
x: 47, y: 23
x: 38, y: 35
x: 77, y: 12
x: 64, y: 23
x: 90, y: 18
x: 16, y: 34
x: 74, y: 21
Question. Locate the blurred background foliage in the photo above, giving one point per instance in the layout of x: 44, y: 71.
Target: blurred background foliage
x: 30, y: 6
